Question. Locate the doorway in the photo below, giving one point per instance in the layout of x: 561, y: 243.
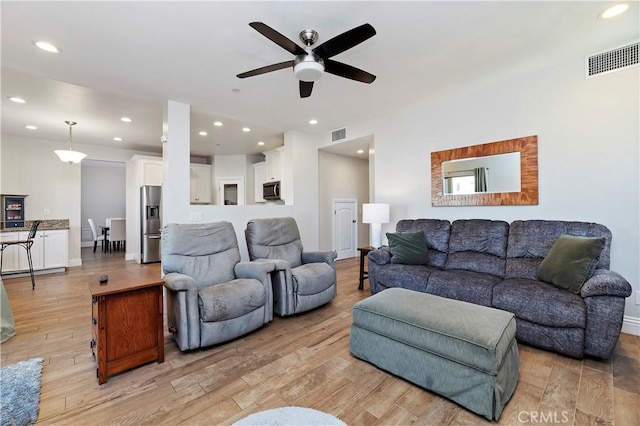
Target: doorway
x: 103, y: 196
x: 345, y: 228
x: 231, y: 191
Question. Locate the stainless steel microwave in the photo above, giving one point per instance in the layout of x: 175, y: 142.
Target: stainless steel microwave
x: 271, y: 190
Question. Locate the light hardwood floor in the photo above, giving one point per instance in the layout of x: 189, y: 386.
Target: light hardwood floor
x: 302, y: 360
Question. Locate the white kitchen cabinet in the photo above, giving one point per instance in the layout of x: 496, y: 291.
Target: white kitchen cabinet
x: 151, y: 172
x: 147, y: 170
x: 56, y: 249
x: 11, y: 254
x: 274, y: 164
x: 200, y: 183
x: 50, y: 250
x: 259, y: 177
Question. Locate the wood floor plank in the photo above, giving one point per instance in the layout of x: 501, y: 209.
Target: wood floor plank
x: 595, y: 396
x: 561, y: 391
x: 626, y: 407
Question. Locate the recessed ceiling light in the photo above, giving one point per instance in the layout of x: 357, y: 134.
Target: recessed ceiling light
x: 313, y: 121
x: 125, y: 119
x: 360, y: 151
x: 117, y: 139
x: 17, y: 100
x: 260, y: 143
x: 246, y: 129
x: 45, y: 45
x: 614, y: 11
x: 202, y: 133
x: 31, y: 127
x: 217, y: 123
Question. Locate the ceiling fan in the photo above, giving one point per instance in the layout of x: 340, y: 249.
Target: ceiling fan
x: 309, y: 64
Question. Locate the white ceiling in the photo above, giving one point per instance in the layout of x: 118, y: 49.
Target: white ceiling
x: 129, y: 58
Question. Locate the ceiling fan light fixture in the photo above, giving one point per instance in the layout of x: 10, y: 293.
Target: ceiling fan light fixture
x: 308, y: 67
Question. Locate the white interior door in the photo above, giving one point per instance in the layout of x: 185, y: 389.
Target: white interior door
x: 231, y: 191
x: 345, y: 226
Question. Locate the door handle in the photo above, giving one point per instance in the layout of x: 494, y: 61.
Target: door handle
x: 154, y: 237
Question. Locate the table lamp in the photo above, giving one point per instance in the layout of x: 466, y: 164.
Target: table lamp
x: 375, y: 214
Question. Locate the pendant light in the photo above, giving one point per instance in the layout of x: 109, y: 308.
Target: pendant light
x: 69, y: 155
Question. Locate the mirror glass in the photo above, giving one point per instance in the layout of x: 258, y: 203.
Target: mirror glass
x: 498, y: 173
x: 492, y: 173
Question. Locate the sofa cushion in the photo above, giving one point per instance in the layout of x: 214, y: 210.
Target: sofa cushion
x: 571, y: 261
x: 408, y: 248
x: 540, y: 303
x: 436, y: 234
x: 412, y: 277
x: 313, y: 278
x: 468, y: 286
x: 230, y: 300
x: 478, y: 245
x: 531, y: 240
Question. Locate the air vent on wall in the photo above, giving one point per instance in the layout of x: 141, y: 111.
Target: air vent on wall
x: 611, y: 60
x: 339, y: 134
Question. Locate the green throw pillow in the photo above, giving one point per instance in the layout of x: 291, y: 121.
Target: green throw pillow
x: 571, y: 261
x: 408, y: 248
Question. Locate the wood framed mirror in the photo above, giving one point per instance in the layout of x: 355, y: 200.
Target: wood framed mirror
x: 526, y: 147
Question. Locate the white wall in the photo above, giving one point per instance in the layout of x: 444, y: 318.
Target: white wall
x: 341, y: 177
x: 103, y: 193
x: 29, y: 166
x: 588, y: 133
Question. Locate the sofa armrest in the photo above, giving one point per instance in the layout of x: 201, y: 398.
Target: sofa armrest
x: 179, y: 282
x: 381, y: 256
x: 256, y: 270
x: 319, y: 257
x: 277, y: 264
x: 606, y: 283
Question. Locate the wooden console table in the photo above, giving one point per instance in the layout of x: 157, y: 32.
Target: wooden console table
x: 363, y: 274
x: 127, y: 320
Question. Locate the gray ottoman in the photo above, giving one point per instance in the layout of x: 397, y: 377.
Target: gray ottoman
x: 465, y: 352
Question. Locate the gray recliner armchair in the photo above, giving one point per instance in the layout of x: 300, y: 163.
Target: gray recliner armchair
x: 212, y: 297
x: 302, y: 280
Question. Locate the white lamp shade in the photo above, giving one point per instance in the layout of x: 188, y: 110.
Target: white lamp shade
x: 69, y: 156
x: 375, y: 213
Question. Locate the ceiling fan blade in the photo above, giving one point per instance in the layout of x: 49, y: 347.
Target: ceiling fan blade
x: 347, y: 71
x: 305, y: 88
x: 268, y: 68
x: 277, y: 38
x: 345, y: 41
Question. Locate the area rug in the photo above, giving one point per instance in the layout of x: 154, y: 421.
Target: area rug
x: 290, y: 416
x: 20, y: 392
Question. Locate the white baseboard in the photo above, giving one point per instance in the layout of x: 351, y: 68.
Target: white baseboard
x: 75, y: 262
x: 631, y: 325
x: 130, y: 256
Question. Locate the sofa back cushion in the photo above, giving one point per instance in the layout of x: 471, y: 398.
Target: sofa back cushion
x: 207, y: 252
x: 478, y: 245
x: 531, y: 240
x: 274, y: 238
x: 436, y: 234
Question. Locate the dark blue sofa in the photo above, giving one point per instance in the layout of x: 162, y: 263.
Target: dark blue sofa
x: 494, y: 263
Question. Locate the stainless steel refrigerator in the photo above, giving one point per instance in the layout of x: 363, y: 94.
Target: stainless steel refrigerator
x: 150, y: 223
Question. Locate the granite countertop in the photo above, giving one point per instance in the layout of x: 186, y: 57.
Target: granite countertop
x: 45, y: 225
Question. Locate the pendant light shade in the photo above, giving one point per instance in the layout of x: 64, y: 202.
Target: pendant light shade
x: 69, y: 155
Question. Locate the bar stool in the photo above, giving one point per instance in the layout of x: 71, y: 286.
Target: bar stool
x: 27, y: 246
